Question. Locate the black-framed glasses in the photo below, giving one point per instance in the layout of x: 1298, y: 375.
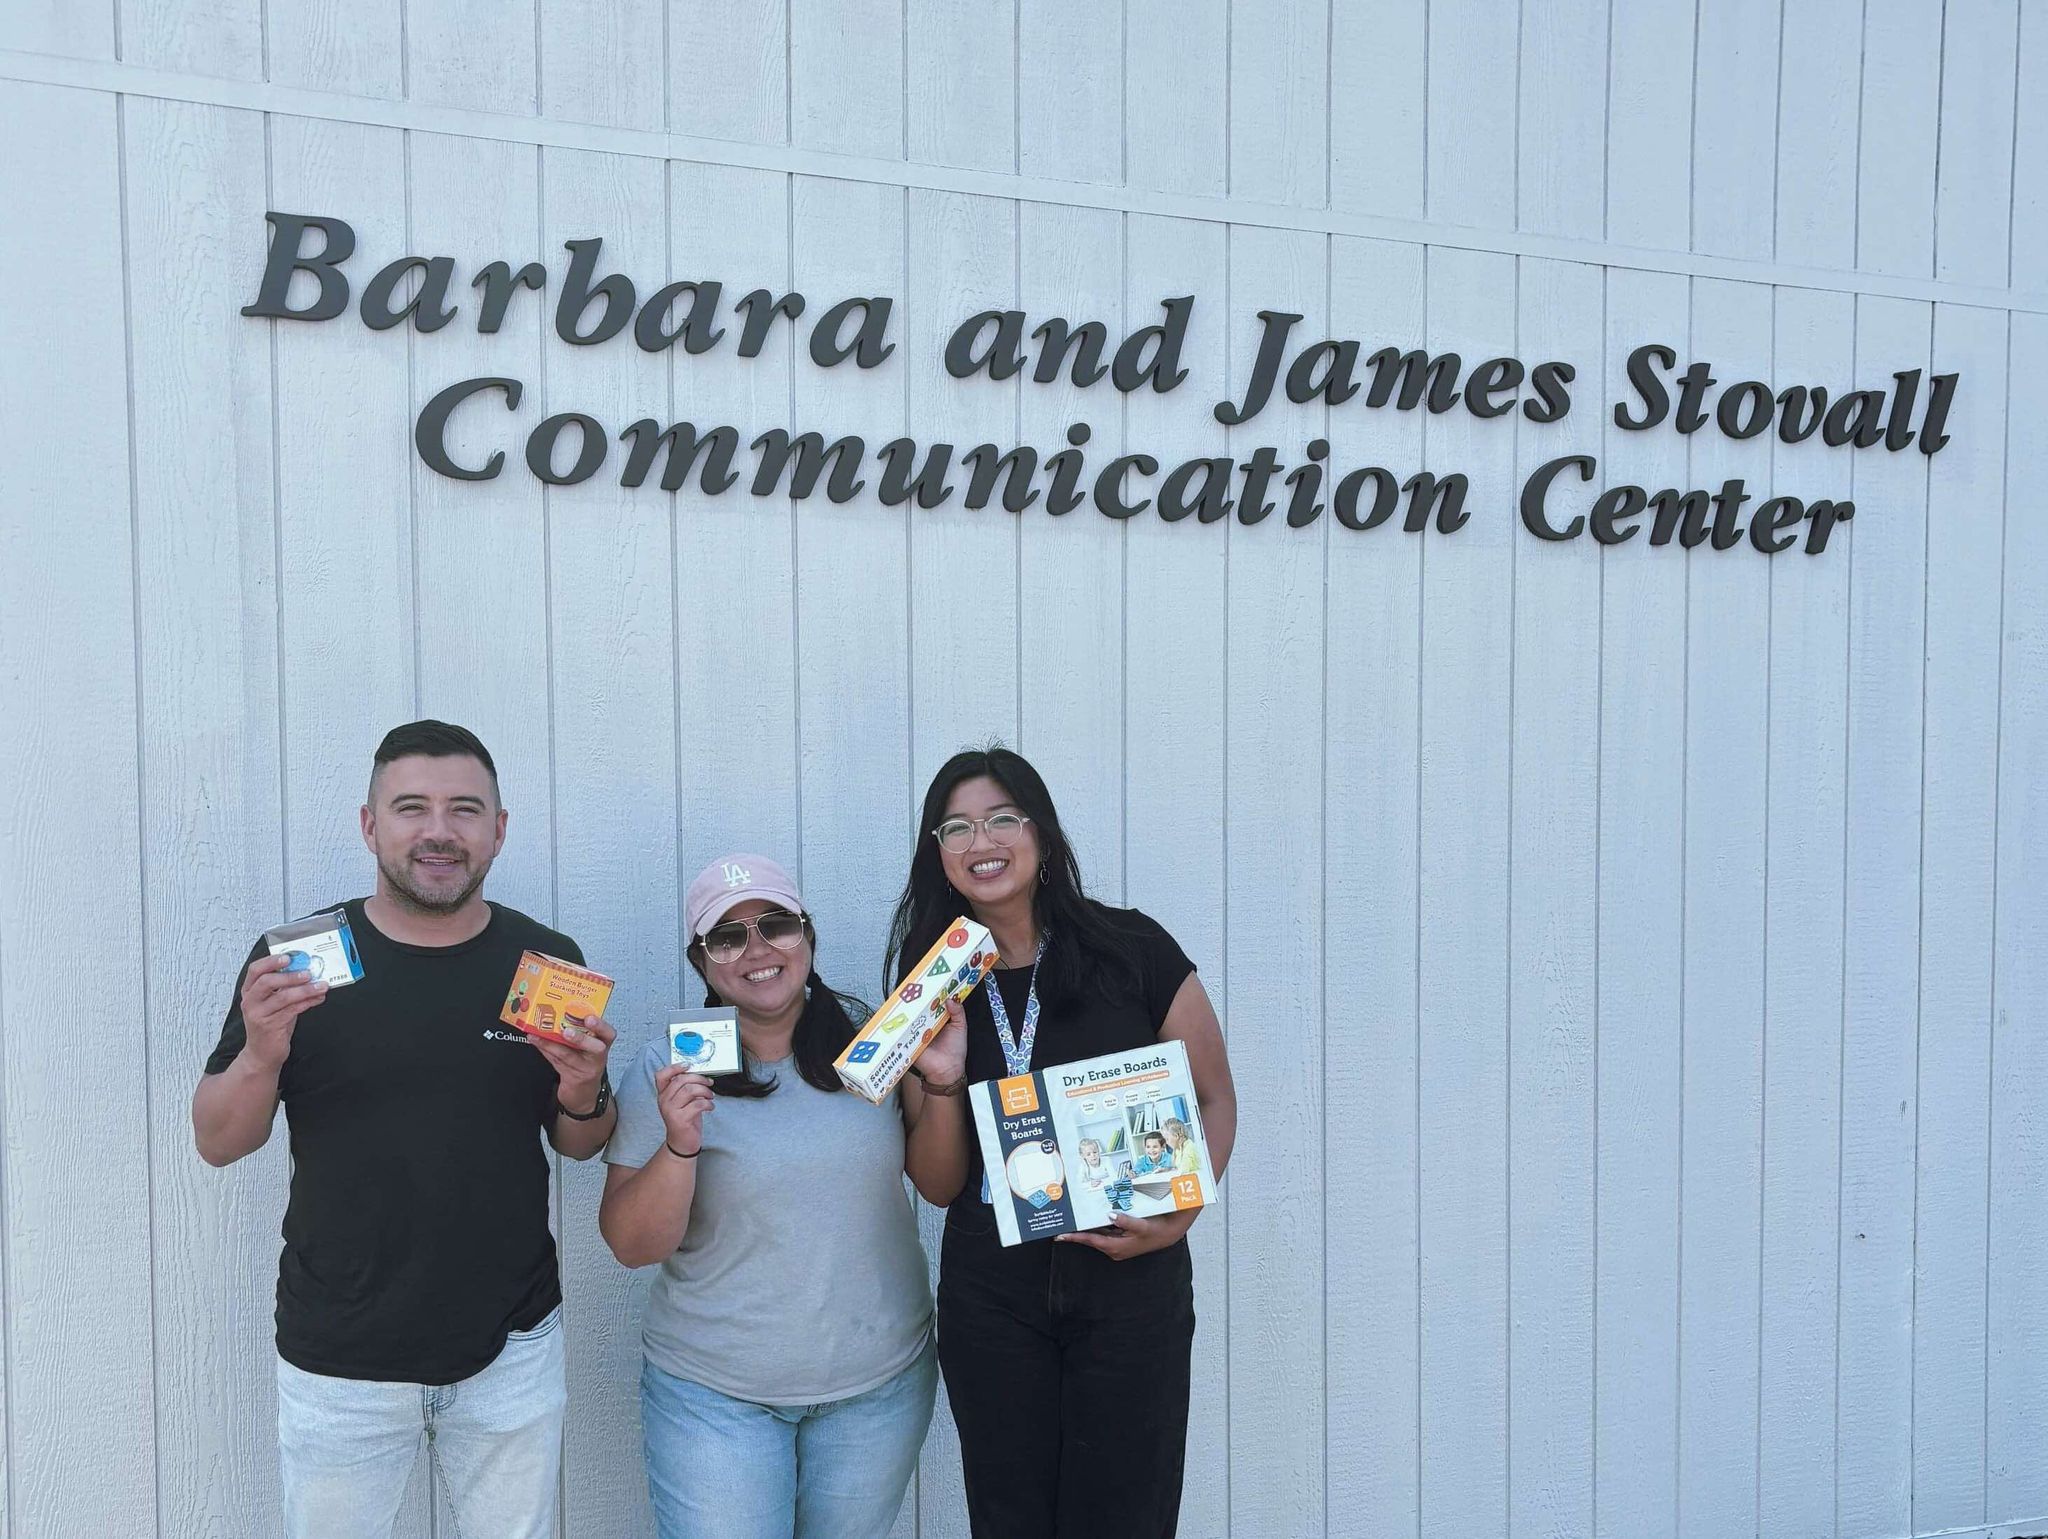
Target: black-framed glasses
x: 956, y: 835
x: 780, y: 929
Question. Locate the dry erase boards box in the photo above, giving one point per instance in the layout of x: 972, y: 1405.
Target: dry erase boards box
x: 320, y: 945
x: 546, y: 991
x: 882, y: 1052
x: 705, y: 1041
x: 1066, y: 1147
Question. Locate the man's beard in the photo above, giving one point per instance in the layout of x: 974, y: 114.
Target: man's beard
x: 398, y: 882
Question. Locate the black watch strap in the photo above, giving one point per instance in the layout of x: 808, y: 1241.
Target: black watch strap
x: 604, y: 1099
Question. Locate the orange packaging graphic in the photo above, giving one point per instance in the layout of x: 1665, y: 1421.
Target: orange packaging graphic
x: 882, y: 1051
x: 546, y: 991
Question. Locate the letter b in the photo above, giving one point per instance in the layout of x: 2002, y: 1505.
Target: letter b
x: 287, y: 256
x: 578, y: 291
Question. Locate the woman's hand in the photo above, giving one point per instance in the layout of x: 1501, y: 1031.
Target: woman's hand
x: 1130, y: 1236
x: 683, y: 1098
x: 944, y: 1059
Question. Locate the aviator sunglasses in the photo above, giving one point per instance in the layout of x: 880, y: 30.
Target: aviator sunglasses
x: 780, y: 929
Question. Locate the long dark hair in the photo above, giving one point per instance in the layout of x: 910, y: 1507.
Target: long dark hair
x: 1087, y: 949
x: 827, y: 1024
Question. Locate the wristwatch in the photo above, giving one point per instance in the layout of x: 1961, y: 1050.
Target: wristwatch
x: 604, y: 1099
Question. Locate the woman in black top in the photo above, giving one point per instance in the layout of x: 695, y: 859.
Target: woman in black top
x: 1066, y: 1362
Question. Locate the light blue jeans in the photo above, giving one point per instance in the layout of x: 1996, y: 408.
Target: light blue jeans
x: 720, y: 1468
x: 347, y: 1446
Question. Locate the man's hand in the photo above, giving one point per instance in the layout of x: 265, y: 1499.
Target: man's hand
x: 272, y: 1002
x: 1130, y: 1236
x: 579, y: 1059
x: 684, y: 1098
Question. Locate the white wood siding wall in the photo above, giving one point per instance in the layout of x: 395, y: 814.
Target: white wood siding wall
x: 1633, y: 962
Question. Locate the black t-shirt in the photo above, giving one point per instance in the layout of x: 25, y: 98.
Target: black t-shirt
x: 1097, y: 1024
x: 416, y: 1236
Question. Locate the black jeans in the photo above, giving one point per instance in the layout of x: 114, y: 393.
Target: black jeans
x: 1068, y: 1377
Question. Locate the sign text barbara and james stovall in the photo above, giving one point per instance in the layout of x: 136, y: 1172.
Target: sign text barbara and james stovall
x: 998, y: 345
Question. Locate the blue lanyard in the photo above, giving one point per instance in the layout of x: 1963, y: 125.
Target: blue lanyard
x: 1017, y: 1050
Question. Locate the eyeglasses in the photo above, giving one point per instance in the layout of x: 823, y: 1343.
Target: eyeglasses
x: 781, y: 929
x: 956, y: 835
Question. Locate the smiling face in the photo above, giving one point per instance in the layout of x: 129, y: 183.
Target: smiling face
x: 435, y: 826
x: 762, y: 982
x: 987, y: 874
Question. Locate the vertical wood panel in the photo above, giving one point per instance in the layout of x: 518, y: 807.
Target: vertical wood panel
x: 1900, y: 124
x: 728, y: 69
x: 1735, y: 120
x: 59, y: 27
x: 736, y: 687
x: 1273, y: 748
x: 1727, y: 630
x: 607, y: 63
x: 1176, y: 70
x: 353, y: 46
x: 2017, y: 1458
x: 1641, y: 957
x: 1071, y: 570
x: 209, y: 37
x: 964, y: 682
x: 1649, y: 123
x: 68, y: 685
x: 1379, y: 71
x: 480, y: 54
x: 611, y: 630
x: 1554, y: 915
x: 1881, y: 948
x: 482, y: 662
x: 1815, y: 337
x: 1819, y: 114
x: 1467, y: 632
x: 846, y: 76
x: 1473, y: 73
x: 1374, y: 647
x: 1070, y: 92
x: 1279, y: 70
x: 206, y: 615
x: 1973, y: 189
x: 853, y: 621
x: 1966, y: 506
x: 961, y: 90
x: 345, y: 590
x: 2029, y: 251
x: 1176, y: 626
x: 1561, y: 185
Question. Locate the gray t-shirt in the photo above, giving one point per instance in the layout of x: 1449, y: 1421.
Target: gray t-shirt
x: 800, y: 1278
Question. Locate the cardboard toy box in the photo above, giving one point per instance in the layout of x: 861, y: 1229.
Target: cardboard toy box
x: 706, y: 1042
x: 882, y: 1051
x: 546, y: 991
x: 322, y: 946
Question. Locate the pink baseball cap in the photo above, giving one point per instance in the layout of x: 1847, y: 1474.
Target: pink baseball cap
x: 725, y: 884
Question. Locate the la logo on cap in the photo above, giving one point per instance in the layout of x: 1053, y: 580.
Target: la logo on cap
x: 736, y: 874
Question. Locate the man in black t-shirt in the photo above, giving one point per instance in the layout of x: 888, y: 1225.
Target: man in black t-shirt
x: 418, y: 1294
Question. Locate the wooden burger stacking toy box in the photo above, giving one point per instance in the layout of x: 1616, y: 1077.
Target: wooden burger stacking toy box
x: 546, y: 991
x: 882, y: 1051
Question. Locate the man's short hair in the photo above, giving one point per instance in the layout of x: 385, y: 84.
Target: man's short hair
x: 433, y: 740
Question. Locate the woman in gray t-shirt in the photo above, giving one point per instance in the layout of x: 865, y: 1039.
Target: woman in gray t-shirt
x: 789, y: 1370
